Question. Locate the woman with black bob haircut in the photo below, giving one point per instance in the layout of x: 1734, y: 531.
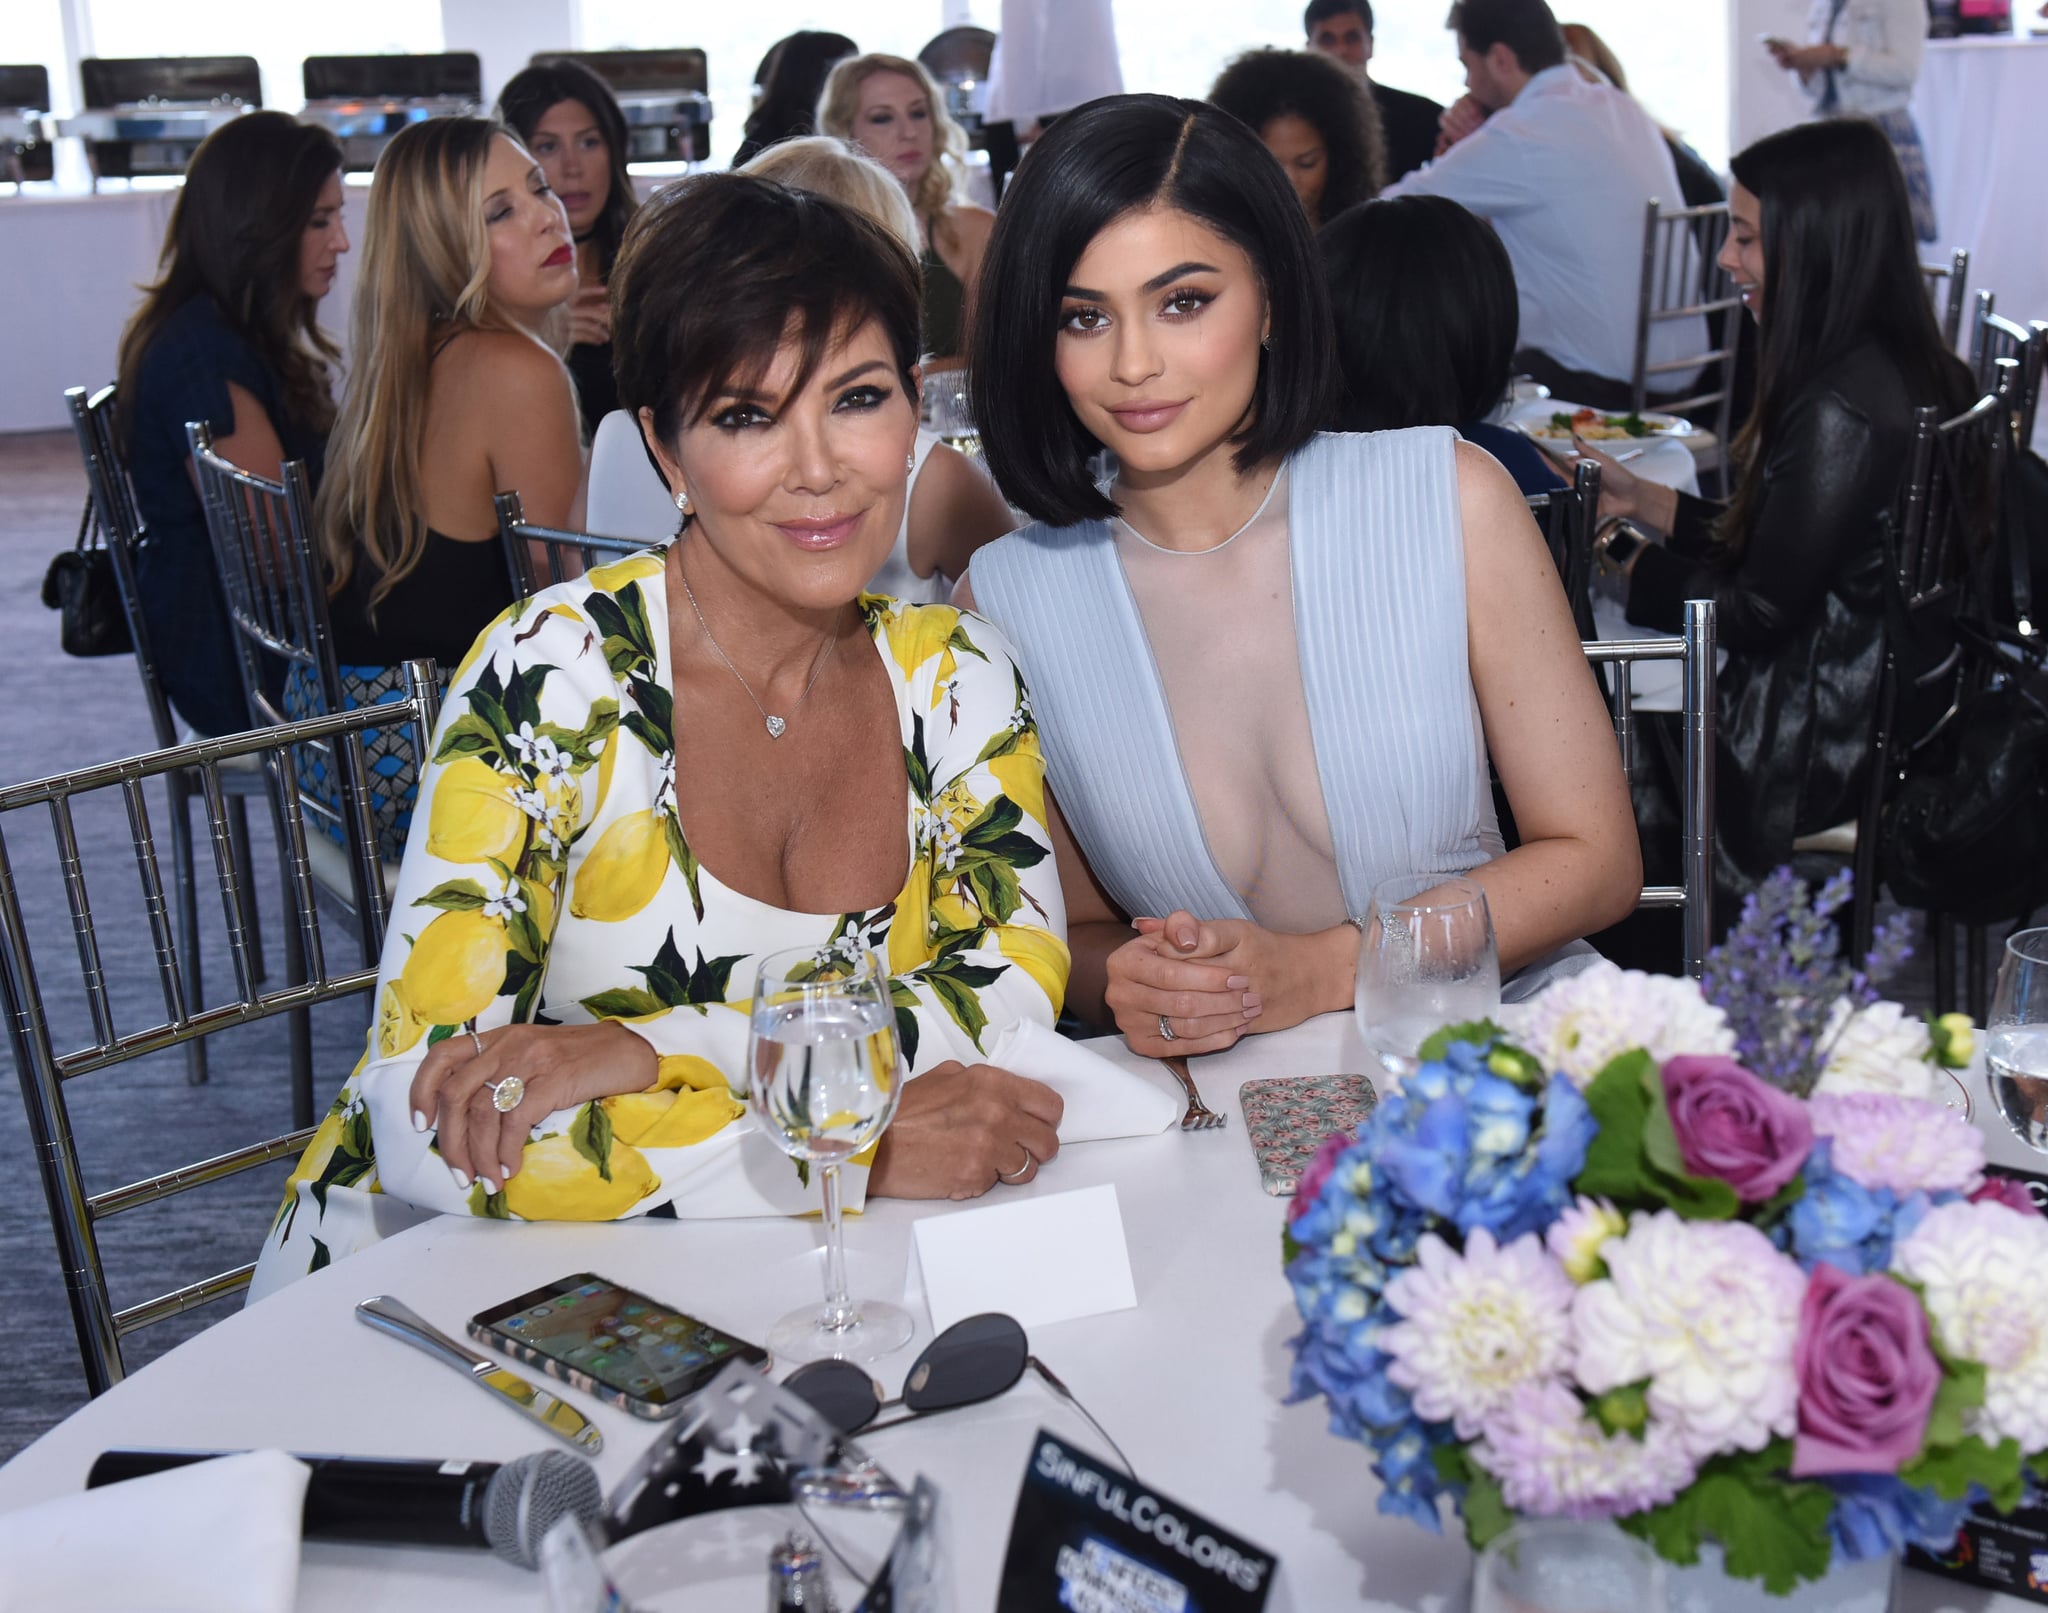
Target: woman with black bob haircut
x: 1315, y: 119
x: 790, y: 79
x: 565, y: 115
x: 1424, y: 301
x: 1821, y: 247
x: 1268, y: 665
x: 230, y: 335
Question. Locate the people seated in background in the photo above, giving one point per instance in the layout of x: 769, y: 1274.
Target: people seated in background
x: 787, y: 85
x: 1268, y: 665
x: 1315, y: 119
x: 616, y: 830
x: 229, y: 334
x: 454, y: 393
x: 890, y: 108
x: 1564, y: 169
x: 1697, y: 182
x: 950, y: 509
x: 566, y: 116
x: 1822, y: 249
x: 1342, y: 30
x: 1423, y: 298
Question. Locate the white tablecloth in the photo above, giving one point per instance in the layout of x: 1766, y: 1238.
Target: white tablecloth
x: 1190, y: 1382
x: 1982, y: 107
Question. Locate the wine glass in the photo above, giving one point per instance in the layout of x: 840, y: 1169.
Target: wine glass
x: 2016, y: 1039
x: 826, y: 1077
x: 1426, y: 959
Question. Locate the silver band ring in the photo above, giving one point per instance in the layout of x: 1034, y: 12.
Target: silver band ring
x: 1166, y: 1031
x: 1022, y: 1170
x: 505, y: 1094
x: 476, y: 1040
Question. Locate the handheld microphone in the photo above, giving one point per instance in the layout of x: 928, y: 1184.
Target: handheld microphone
x: 503, y: 1507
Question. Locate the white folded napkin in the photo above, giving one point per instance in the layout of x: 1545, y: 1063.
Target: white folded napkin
x: 1103, y: 1099
x: 215, y: 1537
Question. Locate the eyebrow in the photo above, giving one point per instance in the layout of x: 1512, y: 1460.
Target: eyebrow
x: 1159, y: 282
x: 745, y: 394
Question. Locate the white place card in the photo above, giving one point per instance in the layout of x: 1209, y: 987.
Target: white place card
x: 1041, y: 1260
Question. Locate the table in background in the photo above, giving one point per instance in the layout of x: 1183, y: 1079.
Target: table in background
x: 1190, y: 1383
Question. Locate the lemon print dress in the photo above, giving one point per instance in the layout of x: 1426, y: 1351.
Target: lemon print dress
x: 549, y: 880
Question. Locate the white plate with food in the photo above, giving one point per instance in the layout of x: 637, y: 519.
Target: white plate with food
x: 1556, y: 428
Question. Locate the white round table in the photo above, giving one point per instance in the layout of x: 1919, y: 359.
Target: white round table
x: 1191, y: 1382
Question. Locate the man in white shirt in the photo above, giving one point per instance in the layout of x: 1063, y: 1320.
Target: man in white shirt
x: 1563, y: 170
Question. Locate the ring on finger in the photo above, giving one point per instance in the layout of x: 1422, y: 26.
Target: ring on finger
x: 1166, y: 1030
x: 476, y: 1040
x: 1030, y: 1159
x: 505, y: 1094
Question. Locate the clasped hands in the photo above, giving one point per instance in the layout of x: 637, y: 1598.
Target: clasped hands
x: 958, y: 1127
x: 1806, y: 60
x: 1214, y: 980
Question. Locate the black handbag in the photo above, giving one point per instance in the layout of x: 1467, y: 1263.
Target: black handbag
x: 81, y: 585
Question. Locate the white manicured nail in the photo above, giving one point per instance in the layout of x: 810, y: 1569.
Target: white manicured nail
x: 489, y: 1185
x: 461, y: 1178
x: 419, y: 1120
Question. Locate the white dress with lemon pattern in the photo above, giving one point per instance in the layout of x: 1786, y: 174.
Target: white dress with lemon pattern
x: 553, y: 884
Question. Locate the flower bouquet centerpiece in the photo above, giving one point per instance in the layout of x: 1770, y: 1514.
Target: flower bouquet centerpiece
x: 1716, y: 1264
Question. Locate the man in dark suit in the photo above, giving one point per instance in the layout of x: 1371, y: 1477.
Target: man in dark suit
x: 1343, y: 29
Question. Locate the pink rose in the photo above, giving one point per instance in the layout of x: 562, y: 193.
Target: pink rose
x: 1732, y: 1126
x: 1318, y: 1172
x: 2006, y: 1190
x: 1867, y: 1375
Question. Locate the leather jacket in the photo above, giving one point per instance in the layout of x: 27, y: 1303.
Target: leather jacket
x: 1801, y: 615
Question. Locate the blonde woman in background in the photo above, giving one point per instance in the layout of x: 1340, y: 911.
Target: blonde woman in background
x: 891, y: 109
x: 456, y: 390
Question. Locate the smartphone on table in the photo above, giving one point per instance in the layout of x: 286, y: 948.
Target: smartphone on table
x: 613, y: 1342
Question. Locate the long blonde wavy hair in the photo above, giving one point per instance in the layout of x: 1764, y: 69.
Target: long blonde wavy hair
x: 944, y: 182
x: 425, y: 276
x: 828, y: 166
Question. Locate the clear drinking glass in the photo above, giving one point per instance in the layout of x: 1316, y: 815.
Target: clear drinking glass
x: 1552, y: 1565
x: 826, y: 1077
x: 1426, y: 959
x: 2016, y: 1039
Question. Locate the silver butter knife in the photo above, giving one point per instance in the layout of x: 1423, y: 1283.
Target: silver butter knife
x: 552, y: 1412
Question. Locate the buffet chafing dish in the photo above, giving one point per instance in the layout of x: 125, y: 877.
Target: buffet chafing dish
x: 661, y: 92
x: 25, y: 151
x: 366, y: 100
x: 147, y: 114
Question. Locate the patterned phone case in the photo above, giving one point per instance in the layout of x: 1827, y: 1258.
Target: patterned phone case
x: 1287, y: 1118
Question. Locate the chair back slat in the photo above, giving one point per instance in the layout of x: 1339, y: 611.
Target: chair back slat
x: 1568, y: 517
x: 43, y: 1069
x: 1945, y: 289
x: 1682, y: 279
x: 538, y: 557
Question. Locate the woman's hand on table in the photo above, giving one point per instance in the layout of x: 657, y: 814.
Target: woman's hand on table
x: 959, y: 1128
x: 1209, y: 1003
x: 590, y: 316
x: 1622, y: 492
x: 1292, y: 977
x: 559, y: 1067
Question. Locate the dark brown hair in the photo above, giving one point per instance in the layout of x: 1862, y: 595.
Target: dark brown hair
x: 532, y: 92
x: 718, y: 270
x: 1262, y: 85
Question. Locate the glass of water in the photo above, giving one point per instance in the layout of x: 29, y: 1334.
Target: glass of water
x: 1426, y: 959
x: 827, y: 1074
x: 1552, y: 1565
x: 2016, y: 1039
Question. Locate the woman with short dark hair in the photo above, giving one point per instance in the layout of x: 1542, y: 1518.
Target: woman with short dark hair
x: 790, y: 79
x: 648, y: 778
x: 229, y: 334
x: 1424, y: 301
x: 1269, y: 664
x: 565, y: 115
x: 1315, y: 119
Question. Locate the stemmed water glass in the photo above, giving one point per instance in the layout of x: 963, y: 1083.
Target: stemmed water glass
x: 826, y: 1075
x: 2016, y: 1039
x: 1426, y: 959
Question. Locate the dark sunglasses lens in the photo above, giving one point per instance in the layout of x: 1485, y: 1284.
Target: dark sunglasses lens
x: 974, y: 1359
x: 843, y: 1394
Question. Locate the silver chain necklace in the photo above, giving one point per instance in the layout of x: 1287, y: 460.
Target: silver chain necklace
x: 775, y: 724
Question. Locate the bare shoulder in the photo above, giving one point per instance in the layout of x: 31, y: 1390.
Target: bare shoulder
x: 970, y: 223
x: 499, y: 361
x: 1496, y: 515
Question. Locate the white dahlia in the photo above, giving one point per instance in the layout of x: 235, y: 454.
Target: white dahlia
x: 1578, y: 1025
x: 1979, y: 1267
x: 1905, y: 1144
x: 1876, y: 1049
x: 1554, y: 1461
x: 1708, y: 1312
x: 1476, y: 1325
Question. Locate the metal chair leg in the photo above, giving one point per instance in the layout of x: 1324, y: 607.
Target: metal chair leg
x: 190, y: 963
x: 1941, y: 929
x: 238, y: 839
x: 1977, y: 938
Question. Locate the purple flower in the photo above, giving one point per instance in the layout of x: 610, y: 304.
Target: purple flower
x: 1310, y: 1187
x: 1867, y: 1375
x: 2006, y: 1190
x: 1908, y: 1145
x: 1732, y: 1126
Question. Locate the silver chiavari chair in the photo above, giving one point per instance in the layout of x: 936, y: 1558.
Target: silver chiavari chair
x: 1682, y: 280
x: 95, y: 422
x: 1945, y: 283
x: 45, y: 1071
x: 1568, y: 518
x: 1695, y: 648
x: 1994, y: 337
x: 538, y: 557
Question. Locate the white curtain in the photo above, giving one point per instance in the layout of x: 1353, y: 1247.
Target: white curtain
x: 1051, y: 56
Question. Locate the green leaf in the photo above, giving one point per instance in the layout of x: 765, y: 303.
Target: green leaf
x: 1620, y: 1106
x: 1486, y: 1511
x: 490, y: 1206
x: 1288, y: 1250
x: 914, y: 763
x: 710, y: 982
x: 1950, y: 1471
x: 1005, y: 741
x: 994, y: 821
x: 1697, y: 1198
x: 468, y: 735
x: 1477, y: 1031
x: 960, y: 641
x: 995, y: 888
x: 680, y: 854
x: 656, y: 742
x: 623, y: 1002
x: 906, y: 1026
x: 1961, y: 1392
x: 1769, y: 1528
x: 961, y: 1003
x: 321, y: 1258
x: 455, y: 896
x: 591, y: 1134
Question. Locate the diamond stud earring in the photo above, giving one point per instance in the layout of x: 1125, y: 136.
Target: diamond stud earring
x: 683, y: 501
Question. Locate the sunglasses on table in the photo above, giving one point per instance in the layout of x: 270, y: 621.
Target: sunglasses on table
x: 976, y: 1359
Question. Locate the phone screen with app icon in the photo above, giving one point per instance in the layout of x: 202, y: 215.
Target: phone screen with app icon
x: 619, y: 1339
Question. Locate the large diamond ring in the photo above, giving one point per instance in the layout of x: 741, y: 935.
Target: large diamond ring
x: 1166, y: 1031
x: 505, y: 1094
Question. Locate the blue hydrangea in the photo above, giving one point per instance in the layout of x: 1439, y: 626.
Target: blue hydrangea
x: 1844, y: 1224
x: 1878, y: 1516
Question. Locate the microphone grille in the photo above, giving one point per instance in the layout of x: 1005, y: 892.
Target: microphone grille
x: 528, y: 1497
